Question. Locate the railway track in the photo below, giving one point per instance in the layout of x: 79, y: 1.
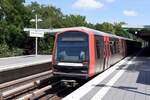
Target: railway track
x: 37, y: 92
x: 42, y: 86
x: 18, y: 86
x: 46, y: 91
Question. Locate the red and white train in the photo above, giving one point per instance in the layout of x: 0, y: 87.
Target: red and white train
x: 83, y: 52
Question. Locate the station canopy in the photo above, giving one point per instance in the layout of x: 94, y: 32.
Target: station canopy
x: 52, y: 31
x: 142, y: 31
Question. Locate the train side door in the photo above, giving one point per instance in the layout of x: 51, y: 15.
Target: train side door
x: 123, y: 48
x: 112, y: 50
x: 99, y: 54
x: 107, y: 53
x: 120, y: 49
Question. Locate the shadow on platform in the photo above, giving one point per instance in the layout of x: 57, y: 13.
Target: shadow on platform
x: 141, y: 65
x: 126, y: 88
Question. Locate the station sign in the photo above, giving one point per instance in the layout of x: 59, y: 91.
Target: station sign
x: 36, y: 33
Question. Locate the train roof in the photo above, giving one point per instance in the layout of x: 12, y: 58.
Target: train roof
x: 96, y: 32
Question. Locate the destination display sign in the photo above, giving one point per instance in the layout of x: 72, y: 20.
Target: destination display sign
x: 72, y: 39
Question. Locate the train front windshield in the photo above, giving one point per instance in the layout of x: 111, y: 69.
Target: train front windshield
x: 72, y: 47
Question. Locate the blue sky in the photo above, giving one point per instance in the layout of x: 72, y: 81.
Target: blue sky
x: 97, y: 11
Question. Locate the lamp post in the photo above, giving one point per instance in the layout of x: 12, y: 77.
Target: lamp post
x: 36, y: 20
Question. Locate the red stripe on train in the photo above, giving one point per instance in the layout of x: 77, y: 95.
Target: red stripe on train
x: 91, y: 54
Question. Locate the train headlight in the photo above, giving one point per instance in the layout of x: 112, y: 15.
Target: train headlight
x: 85, y: 63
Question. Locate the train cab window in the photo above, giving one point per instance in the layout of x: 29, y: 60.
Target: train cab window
x: 72, y: 47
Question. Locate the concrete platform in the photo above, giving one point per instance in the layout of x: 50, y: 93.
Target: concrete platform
x: 22, y: 61
x: 127, y: 80
x: 12, y: 68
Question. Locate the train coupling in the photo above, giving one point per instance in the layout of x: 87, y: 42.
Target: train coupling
x: 69, y: 83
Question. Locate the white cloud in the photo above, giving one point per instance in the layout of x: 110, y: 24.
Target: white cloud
x: 130, y: 13
x: 88, y: 4
x: 110, y: 1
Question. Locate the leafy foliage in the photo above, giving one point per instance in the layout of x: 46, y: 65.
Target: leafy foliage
x: 15, y: 15
x: 105, y: 27
x: 5, y: 51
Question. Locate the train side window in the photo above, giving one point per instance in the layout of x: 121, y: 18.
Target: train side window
x: 117, y: 47
x: 97, y: 49
x: 111, y: 47
x: 120, y: 48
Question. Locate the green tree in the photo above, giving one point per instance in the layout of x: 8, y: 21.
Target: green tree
x: 105, y: 27
x: 120, y: 31
x: 13, y: 19
x: 50, y: 15
x: 73, y: 21
x: 51, y: 18
x: 14, y: 16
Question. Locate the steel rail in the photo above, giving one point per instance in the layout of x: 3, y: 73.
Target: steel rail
x: 14, y: 82
x: 35, y: 94
x: 19, y: 89
x: 35, y: 81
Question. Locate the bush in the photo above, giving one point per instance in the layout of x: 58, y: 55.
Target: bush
x: 5, y: 51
